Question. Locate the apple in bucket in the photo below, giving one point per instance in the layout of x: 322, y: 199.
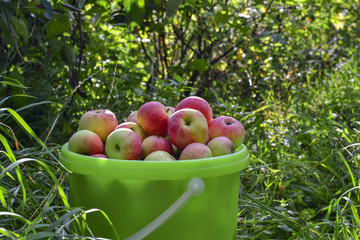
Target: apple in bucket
x: 123, y: 143
x: 186, y: 126
x: 195, y: 151
x: 155, y: 143
x: 196, y: 103
x: 85, y: 142
x: 160, y: 156
x: 132, y: 117
x: 153, y: 118
x: 101, y: 122
x: 228, y: 127
x: 221, y: 146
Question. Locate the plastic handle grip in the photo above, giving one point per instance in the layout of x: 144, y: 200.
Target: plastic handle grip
x: 195, y: 187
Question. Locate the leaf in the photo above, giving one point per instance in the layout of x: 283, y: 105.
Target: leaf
x: 68, y: 55
x: 81, y: 4
x: 57, y: 26
x: 199, y: 64
x: 171, y: 7
x: 127, y: 4
x: 5, y: 33
x: 136, y: 12
x: 222, y: 17
x: 12, y: 84
x: 21, y: 27
x: 49, y: 10
x: 276, y: 37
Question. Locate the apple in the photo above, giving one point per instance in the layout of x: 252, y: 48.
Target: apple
x: 221, y: 146
x: 195, y: 151
x: 101, y: 122
x: 228, y: 127
x: 153, y: 118
x: 132, y: 117
x: 123, y: 143
x: 85, y: 142
x: 155, y: 143
x: 170, y: 110
x: 197, y: 103
x: 159, y: 156
x: 186, y: 126
x: 99, y: 155
x: 134, y: 127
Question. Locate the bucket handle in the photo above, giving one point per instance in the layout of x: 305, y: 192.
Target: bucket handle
x: 195, y: 187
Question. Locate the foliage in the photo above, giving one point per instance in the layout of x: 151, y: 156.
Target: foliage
x: 287, y: 69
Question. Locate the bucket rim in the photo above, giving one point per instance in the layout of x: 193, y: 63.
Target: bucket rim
x: 154, y: 170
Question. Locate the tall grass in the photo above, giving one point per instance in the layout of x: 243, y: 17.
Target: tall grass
x: 33, y: 189
x: 303, y: 181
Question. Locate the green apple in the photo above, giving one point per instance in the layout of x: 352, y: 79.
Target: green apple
x: 159, y: 156
x: 221, y: 146
x: 123, y: 143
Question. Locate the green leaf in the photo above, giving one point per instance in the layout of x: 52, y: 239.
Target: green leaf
x: 57, y: 26
x: 49, y: 10
x: 222, y: 17
x: 21, y: 27
x: 171, y: 7
x: 68, y: 55
x: 136, y: 12
x: 199, y: 64
x: 13, y: 84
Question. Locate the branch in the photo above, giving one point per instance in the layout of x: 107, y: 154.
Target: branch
x: 180, y: 37
x: 148, y: 56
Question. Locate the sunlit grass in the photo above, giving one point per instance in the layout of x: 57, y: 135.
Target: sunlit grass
x: 303, y: 181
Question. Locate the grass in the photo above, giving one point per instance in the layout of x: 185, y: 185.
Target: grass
x: 302, y: 183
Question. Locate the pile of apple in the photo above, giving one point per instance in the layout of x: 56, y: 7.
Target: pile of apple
x: 156, y: 132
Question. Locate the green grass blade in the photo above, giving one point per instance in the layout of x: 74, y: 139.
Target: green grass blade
x: 15, y: 95
x: 12, y: 158
x: 33, y: 105
x: 26, y: 127
x: 15, y: 215
x: 8, y: 233
x: 12, y: 84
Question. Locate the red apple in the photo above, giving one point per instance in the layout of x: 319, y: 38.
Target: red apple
x: 221, y: 146
x: 134, y: 127
x: 101, y: 122
x: 153, y: 118
x: 197, y: 103
x: 228, y: 127
x: 99, y: 155
x: 159, y: 156
x: 155, y: 143
x: 195, y: 151
x: 132, y: 117
x: 85, y: 142
x: 186, y: 126
x: 123, y: 143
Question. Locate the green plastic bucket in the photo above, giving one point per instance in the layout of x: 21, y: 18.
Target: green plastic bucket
x: 158, y: 200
